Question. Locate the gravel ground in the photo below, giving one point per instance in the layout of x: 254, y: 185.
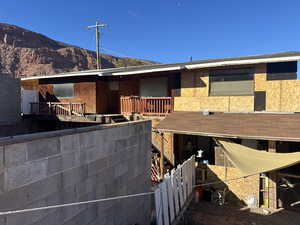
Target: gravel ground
x: 206, y: 213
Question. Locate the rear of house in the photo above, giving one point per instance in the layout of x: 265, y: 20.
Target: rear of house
x: 261, y: 84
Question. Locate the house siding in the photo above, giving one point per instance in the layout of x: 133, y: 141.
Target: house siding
x: 281, y: 95
x: 84, y: 92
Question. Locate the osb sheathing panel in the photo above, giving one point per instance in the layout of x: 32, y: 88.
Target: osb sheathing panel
x: 290, y: 96
x: 215, y: 103
x: 273, y: 99
x: 241, y: 104
x: 260, y: 78
x: 187, y: 103
x: 168, y: 142
x: 194, y: 83
x: 238, y: 191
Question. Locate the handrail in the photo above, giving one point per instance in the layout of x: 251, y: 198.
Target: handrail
x: 57, y: 108
x: 151, y: 106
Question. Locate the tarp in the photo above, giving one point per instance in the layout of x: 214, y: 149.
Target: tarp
x: 251, y: 161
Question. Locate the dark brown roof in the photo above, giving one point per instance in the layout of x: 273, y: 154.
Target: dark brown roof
x: 260, y: 126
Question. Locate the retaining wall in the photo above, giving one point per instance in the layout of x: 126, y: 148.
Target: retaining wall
x: 77, y: 165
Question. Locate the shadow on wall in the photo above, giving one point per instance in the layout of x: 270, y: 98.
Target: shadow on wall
x: 221, y: 187
x: 241, y: 192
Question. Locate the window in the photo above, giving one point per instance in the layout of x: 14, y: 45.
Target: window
x: 154, y: 87
x: 236, y: 82
x: 63, y: 90
x: 282, y: 71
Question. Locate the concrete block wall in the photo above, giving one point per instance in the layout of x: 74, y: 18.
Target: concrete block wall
x: 10, y: 100
x: 77, y: 165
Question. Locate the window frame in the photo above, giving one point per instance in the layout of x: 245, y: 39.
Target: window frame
x: 232, y: 76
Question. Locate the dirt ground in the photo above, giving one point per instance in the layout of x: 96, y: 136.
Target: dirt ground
x: 206, y: 213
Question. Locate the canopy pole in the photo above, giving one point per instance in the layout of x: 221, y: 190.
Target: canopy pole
x: 162, y: 156
x: 272, y: 179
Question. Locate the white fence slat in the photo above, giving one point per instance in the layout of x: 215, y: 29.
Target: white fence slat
x: 184, y: 179
x: 165, y: 203
x: 175, y: 191
x: 171, y: 198
x: 194, y: 172
x: 179, y: 184
x: 158, y: 206
x: 190, y: 175
x: 172, y: 193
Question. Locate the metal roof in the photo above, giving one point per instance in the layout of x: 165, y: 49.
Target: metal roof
x: 132, y: 70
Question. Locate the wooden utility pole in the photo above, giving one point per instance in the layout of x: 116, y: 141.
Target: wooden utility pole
x: 98, y: 24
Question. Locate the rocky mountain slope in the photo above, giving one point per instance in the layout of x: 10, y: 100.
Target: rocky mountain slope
x: 26, y: 53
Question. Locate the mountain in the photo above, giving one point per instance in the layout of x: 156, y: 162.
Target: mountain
x: 26, y: 53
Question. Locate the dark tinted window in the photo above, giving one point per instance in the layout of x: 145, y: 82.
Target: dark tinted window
x: 282, y: 67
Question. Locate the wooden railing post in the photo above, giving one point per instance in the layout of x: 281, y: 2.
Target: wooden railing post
x: 70, y: 109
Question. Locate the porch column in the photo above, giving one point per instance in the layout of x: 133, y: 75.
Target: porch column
x: 272, y: 180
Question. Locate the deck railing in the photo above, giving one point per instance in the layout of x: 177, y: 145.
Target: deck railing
x: 150, y: 106
x: 57, y: 108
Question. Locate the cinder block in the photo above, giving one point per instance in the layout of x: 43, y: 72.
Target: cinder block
x: 13, y: 199
x: 43, y: 148
x: 1, y: 158
x: 25, y: 173
x: 28, y: 218
x: 59, y: 163
x: 94, y: 167
x: 121, y: 169
x: 88, y: 140
x: 42, y: 189
x: 74, y: 175
x: 15, y: 154
x: 53, y: 218
x: 69, y: 143
x: 1, y: 182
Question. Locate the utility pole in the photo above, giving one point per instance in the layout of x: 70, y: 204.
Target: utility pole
x: 97, y: 26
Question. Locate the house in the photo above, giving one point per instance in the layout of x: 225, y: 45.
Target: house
x: 251, y: 100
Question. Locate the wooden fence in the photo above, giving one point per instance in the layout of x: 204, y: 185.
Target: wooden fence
x: 172, y: 194
x: 151, y: 106
x: 57, y: 108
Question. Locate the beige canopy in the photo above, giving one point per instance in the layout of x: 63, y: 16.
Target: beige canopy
x: 250, y: 161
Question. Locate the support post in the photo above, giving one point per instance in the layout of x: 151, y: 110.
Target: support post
x: 272, y: 179
x: 70, y: 109
x: 162, y: 156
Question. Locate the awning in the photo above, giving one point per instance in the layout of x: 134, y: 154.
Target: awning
x: 257, y: 126
x: 250, y: 161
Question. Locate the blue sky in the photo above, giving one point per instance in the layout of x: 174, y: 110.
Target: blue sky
x: 165, y: 30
